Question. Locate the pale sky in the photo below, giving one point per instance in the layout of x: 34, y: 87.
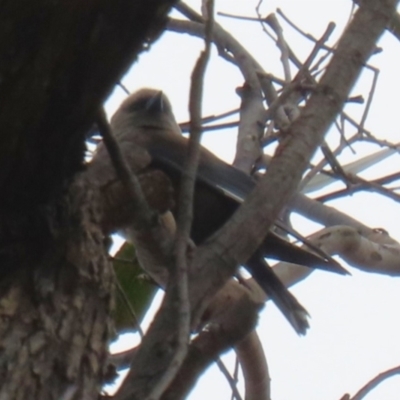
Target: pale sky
x: 355, y: 324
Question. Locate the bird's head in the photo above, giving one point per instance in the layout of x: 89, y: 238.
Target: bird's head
x: 146, y: 108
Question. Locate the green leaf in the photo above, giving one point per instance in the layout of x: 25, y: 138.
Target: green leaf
x: 135, y: 291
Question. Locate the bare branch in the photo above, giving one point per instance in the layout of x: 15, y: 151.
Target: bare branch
x: 375, y: 382
x: 254, y: 366
x: 179, y: 273
x: 293, y: 154
x: 230, y: 379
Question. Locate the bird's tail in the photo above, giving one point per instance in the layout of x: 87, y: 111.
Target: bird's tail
x: 290, y: 307
x: 279, y: 248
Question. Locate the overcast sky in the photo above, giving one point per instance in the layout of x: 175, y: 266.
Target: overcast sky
x: 355, y: 324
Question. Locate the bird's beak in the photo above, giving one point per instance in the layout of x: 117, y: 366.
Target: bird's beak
x: 156, y: 103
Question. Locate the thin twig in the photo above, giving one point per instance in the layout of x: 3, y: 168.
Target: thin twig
x: 241, y: 17
x: 124, y: 88
x: 360, y: 129
x: 380, y: 142
x: 319, y: 44
x: 236, y: 373
x: 210, y: 118
x: 184, y: 221
x: 272, y: 21
x: 371, y: 93
x: 230, y: 379
x: 261, y: 19
x: 297, y: 29
x: 332, y: 160
x: 318, y: 168
x: 229, y: 49
x: 185, y: 126
x: 356, y: 184
x: 375, y: 382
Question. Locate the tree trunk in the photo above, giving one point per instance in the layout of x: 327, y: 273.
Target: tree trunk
x: 59, y: 61
x: 55, y: 318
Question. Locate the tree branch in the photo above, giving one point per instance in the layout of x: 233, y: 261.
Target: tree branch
x: 292, y: 156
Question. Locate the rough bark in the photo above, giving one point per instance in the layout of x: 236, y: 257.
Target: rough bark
x: 55, y: 316
x: 59, y: 62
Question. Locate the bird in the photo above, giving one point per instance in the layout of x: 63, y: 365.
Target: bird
x: 145, y: 121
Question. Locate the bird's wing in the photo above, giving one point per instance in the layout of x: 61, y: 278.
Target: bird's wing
x: 168, y: 153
